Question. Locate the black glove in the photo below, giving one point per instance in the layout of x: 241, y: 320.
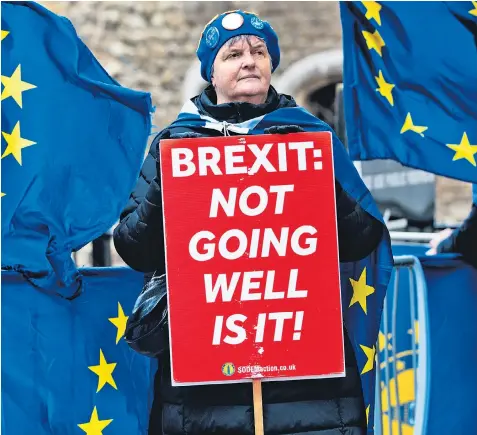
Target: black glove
x: 283, y: 129
x: 168, y: 135
x: 185, y: 135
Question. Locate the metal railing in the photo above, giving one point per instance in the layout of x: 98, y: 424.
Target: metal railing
x: 404, y: 236
x: 392, y: 382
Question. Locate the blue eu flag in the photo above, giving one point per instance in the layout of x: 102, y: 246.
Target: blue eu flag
x: 66, y: 368
x: 410, y: 86
x: 73, y: 141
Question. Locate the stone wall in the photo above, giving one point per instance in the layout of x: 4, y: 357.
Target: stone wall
x: 453, y: 201
x: 150, y: 46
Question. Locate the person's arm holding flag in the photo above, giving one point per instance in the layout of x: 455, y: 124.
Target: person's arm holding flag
x: 463, y: 240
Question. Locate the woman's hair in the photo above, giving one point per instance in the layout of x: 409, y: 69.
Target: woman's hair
x: 238, y: 38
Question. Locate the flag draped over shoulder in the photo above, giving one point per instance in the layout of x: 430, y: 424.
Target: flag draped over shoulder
x: 410, y: 86
x: 363, y: 283
x: 73, y: 141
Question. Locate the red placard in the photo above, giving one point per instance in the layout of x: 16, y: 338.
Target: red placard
x: 252, y: 258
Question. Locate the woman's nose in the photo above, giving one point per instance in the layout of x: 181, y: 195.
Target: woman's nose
x: 248, y: 60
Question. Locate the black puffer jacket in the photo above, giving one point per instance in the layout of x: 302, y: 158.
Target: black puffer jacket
x: 312, y: 407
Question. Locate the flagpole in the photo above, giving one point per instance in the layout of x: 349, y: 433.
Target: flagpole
x: 258, y: 406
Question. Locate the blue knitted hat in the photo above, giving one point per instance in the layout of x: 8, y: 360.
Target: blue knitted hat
x: 227, y: 25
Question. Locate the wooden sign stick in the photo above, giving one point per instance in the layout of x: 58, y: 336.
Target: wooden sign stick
x: 258, y: 406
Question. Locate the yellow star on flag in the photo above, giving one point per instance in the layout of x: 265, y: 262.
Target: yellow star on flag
x: 372, y: 11
x: 474, y: 11
x: 381, y: 341
x: 4, y: 34
x: 374, y: 40
x: 2, y: 194
x: 104, y: 372
x: 385, y: 88
x: 370, y: 353
x: 14, y: 86
x: 119, y: 322
x: 95, y: 426
x: 15, y: 143
x: 367, y: 414
x: 464, y: 150
x: 361, y: 291
x: 409, y: 126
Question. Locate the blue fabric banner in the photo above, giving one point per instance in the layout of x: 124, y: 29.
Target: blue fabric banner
x: 409, y: 84
x: 449, y: 400
x: 73, y: 141
x: 65, y: 367
x: 64, y: 363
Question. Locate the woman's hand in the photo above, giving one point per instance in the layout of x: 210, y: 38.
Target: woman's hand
x: 168, y: 135
x: 437, y: 239
x: 283, y: 129
x: 185, y: 135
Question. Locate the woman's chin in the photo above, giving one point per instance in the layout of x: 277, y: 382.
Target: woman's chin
x: 251, y: 89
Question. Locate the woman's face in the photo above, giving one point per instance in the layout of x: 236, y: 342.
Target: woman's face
x: 242, y: 72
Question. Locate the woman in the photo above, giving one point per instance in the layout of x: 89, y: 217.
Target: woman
x: 238, y: 54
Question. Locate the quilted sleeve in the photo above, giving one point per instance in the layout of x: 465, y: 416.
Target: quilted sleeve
x: 358, y: 232
x: 138, y: 238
